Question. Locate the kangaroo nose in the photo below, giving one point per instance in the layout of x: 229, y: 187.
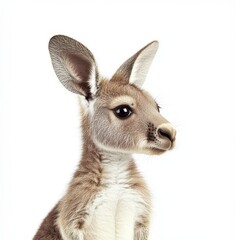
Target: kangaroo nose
x: 166, y: 131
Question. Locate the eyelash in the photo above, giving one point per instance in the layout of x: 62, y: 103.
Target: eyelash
x: 158, y: 107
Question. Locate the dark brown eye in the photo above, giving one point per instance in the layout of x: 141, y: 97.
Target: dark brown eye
x: 122, y: 112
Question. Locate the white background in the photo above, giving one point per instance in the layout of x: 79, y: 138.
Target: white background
x: 195, y: 187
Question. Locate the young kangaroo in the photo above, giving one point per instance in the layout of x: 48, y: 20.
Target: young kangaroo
x: 107, y: 198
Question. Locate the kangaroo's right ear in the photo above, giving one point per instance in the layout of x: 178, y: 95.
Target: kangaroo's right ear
x: 74, y: 65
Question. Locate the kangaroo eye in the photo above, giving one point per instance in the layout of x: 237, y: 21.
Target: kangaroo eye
x: 122, y: 112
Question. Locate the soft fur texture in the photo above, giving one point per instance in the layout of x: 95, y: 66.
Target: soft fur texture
x: 107, y: 198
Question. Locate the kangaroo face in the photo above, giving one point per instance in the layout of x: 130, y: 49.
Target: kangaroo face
x: 123, y: 117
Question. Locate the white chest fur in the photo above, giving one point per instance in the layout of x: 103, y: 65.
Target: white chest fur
x: 117, y: 207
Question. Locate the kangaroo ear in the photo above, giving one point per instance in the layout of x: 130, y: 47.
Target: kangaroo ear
x: 135, y: 69
x: 74, y: 65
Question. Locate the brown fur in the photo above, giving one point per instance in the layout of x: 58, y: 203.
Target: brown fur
x: 49, y: 229
x: 86, y: 183
x: 106, y: 139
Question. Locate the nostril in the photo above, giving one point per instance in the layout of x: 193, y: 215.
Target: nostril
x: 164, y: 132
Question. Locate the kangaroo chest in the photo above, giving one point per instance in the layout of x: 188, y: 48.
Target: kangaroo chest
x: 117, y: 207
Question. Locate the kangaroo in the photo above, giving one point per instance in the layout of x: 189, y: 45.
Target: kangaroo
x: 107, y: 198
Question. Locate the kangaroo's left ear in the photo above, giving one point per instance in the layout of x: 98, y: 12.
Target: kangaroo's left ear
x: 135, y: 69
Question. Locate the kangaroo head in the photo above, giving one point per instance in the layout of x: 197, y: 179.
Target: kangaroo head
x: 122, y: 117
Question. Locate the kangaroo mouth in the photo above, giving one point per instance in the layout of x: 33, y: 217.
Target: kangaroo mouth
x: 157, y: 151
x: 156, y: 146
x: 160, y: 147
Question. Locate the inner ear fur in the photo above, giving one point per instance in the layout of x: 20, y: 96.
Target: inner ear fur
x: 74, y: 65
x: 135, y: 69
